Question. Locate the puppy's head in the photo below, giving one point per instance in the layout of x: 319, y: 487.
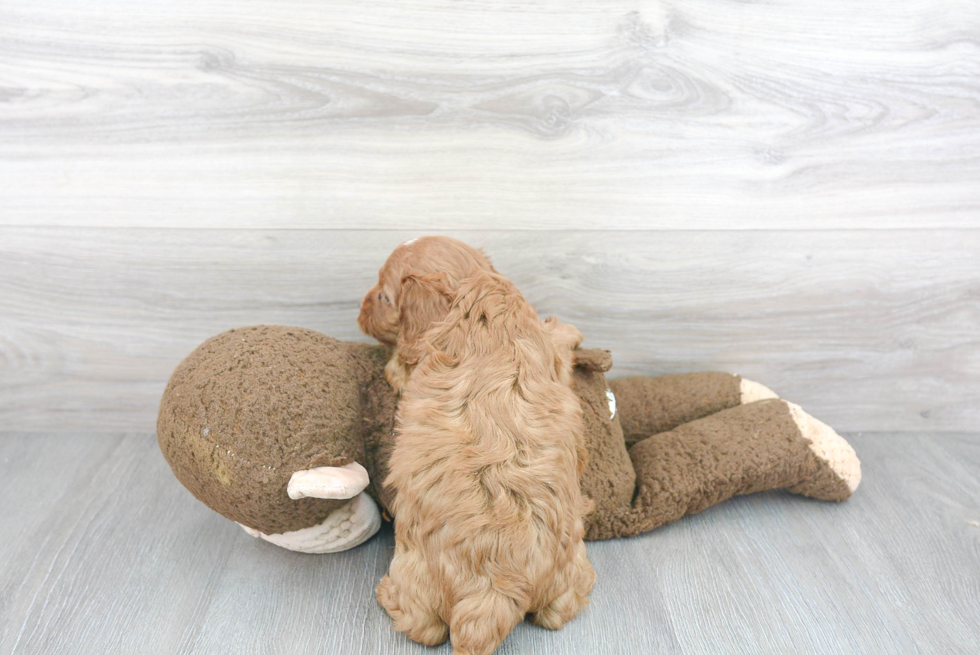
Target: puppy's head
x: 415, y: 287
x: 379, y: 311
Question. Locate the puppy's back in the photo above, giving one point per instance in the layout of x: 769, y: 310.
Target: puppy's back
x: 486, y: 463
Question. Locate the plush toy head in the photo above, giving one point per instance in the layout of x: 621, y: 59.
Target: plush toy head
x: 251, y: 406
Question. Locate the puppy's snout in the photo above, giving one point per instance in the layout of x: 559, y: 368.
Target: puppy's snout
x: 378, y: 317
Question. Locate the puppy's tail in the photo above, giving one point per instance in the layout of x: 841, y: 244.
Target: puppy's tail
x: 479, y: 623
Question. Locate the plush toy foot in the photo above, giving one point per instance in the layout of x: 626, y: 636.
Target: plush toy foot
x: 769, y: 444
x: 840, y: 460
x: 751, y: 392
x: 346, y: 527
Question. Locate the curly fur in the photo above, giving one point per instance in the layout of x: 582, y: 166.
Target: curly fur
x: 486, y: 466
x: 439, y: 263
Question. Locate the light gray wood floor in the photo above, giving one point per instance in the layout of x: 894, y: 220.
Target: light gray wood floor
x: 104, y: 552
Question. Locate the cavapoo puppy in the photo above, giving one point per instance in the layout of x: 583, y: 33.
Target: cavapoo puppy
x: 486, y: 462
x: 441, y: 261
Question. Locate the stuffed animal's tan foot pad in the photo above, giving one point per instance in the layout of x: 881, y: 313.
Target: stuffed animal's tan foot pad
x: 346, y: 527
x: 753, y: 391
x: 831, y: 449
x: 332, y: 482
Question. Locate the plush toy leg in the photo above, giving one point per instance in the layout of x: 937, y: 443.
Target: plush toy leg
x: 653, y: 405
x: 349, y: 526
x: 770, y: 444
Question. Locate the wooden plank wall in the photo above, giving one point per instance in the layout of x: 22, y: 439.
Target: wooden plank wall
x: 787, y: 190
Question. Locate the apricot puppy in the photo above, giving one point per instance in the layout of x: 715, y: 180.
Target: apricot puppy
x: 439, y: 262
x: 486, y: 464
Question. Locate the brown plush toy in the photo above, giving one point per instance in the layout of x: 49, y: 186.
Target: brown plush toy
x: 288, y: 432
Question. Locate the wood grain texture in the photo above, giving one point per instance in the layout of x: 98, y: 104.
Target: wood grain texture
x: 438, y: 114
x: 866, y: 330
x: 105, y: 552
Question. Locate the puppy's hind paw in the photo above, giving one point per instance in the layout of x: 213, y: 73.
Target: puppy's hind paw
x: 386, y: 597
x: 423, y: 627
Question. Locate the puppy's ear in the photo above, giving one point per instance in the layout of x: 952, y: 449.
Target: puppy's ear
x: 423, y: 301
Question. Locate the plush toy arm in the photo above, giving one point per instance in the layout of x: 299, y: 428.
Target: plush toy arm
x: 770, y: 444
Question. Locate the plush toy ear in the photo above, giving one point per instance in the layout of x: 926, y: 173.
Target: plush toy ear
x: 563, y: 334
x: 423, y: 301
x: 593, y: 359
